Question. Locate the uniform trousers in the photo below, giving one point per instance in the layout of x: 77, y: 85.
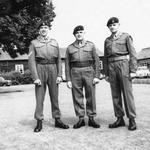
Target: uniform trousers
x: 82, y: 78
x: 121, y: 86
x: 47, y: 74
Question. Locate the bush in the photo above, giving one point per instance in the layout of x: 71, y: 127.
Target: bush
x: 18, y: 78
x: 27, y: 77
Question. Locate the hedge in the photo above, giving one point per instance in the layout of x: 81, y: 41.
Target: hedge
x: 17, y: 77
x: 26, y: 78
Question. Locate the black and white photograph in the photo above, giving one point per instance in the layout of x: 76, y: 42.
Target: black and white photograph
x: 74, y: 75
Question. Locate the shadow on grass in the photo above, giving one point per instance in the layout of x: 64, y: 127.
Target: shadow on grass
x: 46, y: 122
x: 12, y: 91
x: 49, y: 125
x: 67, y: 120
x: 49, y: 122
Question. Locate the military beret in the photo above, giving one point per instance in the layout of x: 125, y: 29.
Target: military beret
x: 112, y: 20
x: 44, y: 22
x: 78, y: 28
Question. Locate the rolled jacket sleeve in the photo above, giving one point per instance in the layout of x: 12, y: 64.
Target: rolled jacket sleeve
x: 32, y: 62
x: 132, y: 55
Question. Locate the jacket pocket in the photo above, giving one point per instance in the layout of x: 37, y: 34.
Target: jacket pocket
x: 40, y: 48
x: 73, y: 51
x: 121, y: 47
x: 73, y: 55
x: 88, y: 53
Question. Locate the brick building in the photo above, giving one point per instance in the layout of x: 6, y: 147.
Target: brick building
x: 7, y: 63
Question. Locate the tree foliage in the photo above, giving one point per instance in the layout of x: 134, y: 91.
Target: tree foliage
x: 18, y: 20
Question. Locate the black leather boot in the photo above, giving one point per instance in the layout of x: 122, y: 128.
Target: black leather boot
x: 38, y: 127
x: 79, y: 124
x: 118, y: 123
x: 92, y: 123
x: 132, y: 124
x: 60, y: 124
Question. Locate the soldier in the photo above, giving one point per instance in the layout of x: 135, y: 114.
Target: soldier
x: 82, y: 71
x: 121, y: 65
x: 45, y: 66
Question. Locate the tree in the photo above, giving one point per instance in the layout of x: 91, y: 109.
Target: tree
x: 18, y: 20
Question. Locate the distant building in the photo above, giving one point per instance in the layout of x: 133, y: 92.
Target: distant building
x: 7, y: 63
x: 144, y: 57
x: 20, y: 63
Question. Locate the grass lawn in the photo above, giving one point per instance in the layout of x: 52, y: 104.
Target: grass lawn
x: 17, y: 122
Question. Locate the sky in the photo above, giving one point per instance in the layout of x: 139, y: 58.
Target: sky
x: 134, y: 16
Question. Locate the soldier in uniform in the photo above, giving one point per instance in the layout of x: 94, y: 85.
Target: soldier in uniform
x: 120, y: 68
x: 82, y: 71
x: 45, y: 66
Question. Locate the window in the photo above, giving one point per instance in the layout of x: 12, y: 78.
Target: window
x: 19, y: 68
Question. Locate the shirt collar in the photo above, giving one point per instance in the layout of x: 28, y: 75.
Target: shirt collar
x: 43, y: 39
x: 79, y: 45
x: 116, y: 36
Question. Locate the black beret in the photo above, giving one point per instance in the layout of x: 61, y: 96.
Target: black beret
x: 112, y: 20
x: 78, y: 28
x: 43, y: 22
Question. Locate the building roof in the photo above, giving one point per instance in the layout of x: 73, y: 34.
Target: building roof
x: 5, y: 56
x: 144, y: 53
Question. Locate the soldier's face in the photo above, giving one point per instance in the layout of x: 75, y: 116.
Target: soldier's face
x: 44, y: 30
x: 79, y: 35
x: 114, y: 27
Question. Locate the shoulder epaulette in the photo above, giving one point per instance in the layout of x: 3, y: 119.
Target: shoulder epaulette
x: 125, y: 34
x: 54, y: 42
x: 89, y: 42
x: 71, y: 44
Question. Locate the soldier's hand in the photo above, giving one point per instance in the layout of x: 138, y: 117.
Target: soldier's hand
x: 132, y: 75
x: 101, y: 77
x: 69, y: 84
x: 58, y: 80
x: 37, y: 82
x: 107, y: 79
x: 95, y: 81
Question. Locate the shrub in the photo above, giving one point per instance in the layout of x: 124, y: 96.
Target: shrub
x: 27, y: 77
x: 17, y: 77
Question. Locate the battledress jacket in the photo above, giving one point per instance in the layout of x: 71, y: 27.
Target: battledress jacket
x: 80, y: 54
x: 120, y: 46
x: 45, y: 49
